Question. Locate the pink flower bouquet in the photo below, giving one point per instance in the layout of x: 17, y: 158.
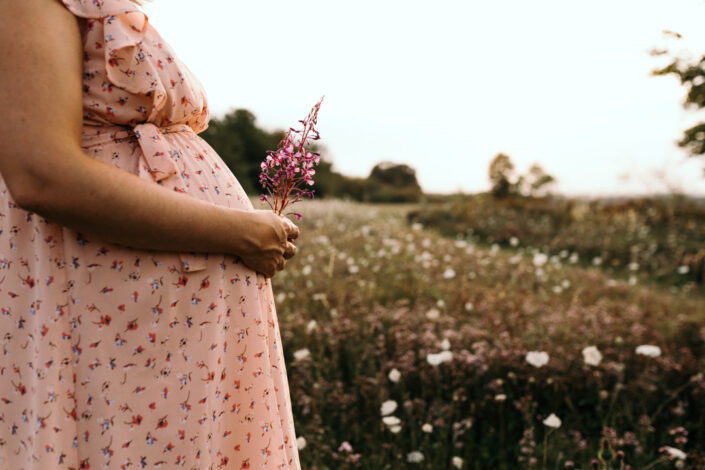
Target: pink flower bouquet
x: 288, y: 168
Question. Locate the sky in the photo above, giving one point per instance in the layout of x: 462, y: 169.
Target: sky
x: 445, y: 85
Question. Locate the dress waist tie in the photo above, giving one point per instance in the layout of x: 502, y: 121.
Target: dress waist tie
x: 158, y: 160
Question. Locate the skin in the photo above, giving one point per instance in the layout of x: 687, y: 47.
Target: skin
x: 46, y: 171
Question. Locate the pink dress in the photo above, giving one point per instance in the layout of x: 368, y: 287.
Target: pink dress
x: 121, y: 358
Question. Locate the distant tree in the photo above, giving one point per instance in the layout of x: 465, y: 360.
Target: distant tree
x: 538, y: 180
x: 394, y: 174
x: 501, y: 173
x: 691, y: 74
x: 506, y: 182
x: 392, y: 182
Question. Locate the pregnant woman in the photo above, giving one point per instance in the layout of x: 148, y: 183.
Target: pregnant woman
x: 137, y: 322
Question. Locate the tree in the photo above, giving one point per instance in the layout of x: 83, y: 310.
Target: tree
x: 394, y: 174
x: 506, y: 183
x: 392, y: 182
x: 538, y: 180
x: 501, y: 173
x: 691, y: 74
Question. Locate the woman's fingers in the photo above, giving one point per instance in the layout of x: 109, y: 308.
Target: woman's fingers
x: 290, y: 250
x: 292, y: 231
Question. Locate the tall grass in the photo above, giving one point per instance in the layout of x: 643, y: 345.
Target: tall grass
x: 368, y: 293
x: 659, y: 237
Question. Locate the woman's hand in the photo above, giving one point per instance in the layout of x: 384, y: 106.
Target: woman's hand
x: 272, y: 242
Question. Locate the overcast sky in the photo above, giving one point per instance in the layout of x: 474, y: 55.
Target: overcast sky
x: 445, y: 85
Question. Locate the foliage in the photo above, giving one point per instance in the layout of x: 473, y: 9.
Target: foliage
x: 243, y: 145
x: 501, y: 174
x: 538, y: 180
x: 368, y: 293
x: 392, y: 182
x: 660, y: 238
x: 506, y: 182
x: 691, y: 74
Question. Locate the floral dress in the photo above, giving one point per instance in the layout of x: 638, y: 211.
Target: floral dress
x: 122, y: 358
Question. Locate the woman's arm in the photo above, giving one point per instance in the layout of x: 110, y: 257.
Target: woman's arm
x: 46, y: 171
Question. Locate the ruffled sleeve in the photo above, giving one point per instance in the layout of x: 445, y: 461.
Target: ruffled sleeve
x: 127, y: 65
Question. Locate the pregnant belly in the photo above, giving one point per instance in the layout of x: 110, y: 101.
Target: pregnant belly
x: 200, y: 172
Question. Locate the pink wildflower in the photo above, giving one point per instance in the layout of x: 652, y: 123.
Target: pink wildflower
x: 290, y: 166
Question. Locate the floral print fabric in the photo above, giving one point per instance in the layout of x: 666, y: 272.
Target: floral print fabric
x: 119, y: 358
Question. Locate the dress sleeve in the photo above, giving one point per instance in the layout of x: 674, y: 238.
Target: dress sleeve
x: 127, y: 65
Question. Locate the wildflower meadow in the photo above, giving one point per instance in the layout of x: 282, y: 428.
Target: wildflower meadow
x: 406, y: 348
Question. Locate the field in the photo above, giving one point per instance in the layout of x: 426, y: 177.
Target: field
x: 406, y: 348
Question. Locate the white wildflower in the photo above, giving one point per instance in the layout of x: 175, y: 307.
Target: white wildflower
x: 469, y: 306
x: 500, y: 397
x: 300, y: 442
x: 537, y: 358
x: 648, y: 350
x: 436, y: 359
x: 417, y: 226
x: 394, y: 375
x: 414, y: 457
x: 427, y: 428
x: 311, y: 326
x: 573, y: 258
x: 353, y: 269
x: 540, y: 259
x: 388, y: 407
x: 675, y: 453
x: 596, y: 261
x: 391, y: 420
x: 433, y: 314
x: 302, y: 354
x: 281, y: 297
x: 633, y: 266
x: 445, y: 344
x: 592, y: 355
x: 457, y: 462
x: 449, y: 273
x: 514, y: 241
x: 552, y: 421
x: 683, y: 269
x: 306, y: 270
x: 395, y: 429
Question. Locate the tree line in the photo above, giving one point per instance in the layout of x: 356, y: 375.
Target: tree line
x: 243, y: 146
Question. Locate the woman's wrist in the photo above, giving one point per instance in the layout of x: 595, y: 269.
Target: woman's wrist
x: 242, y: 236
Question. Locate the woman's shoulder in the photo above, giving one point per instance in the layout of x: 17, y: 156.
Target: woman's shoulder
x: 99, y: 8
